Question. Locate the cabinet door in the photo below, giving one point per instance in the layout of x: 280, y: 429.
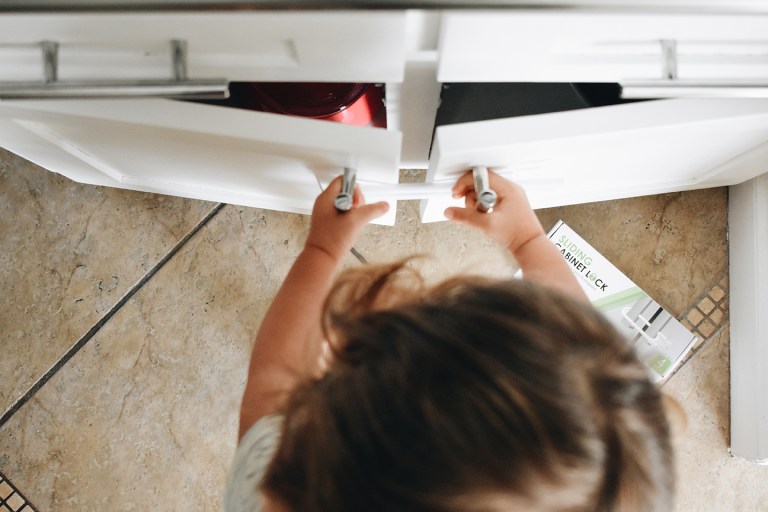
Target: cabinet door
x: 198, y: 151
x: 559, y: 46
x: 609, y: 152
x: 301, y: 46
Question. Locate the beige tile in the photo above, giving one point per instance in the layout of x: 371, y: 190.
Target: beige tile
x: 68, y: 252
x: 15, y: 502
x: 672, y: 245
x: 145, y: 416
x: 5, y: 490
x: 695, y: 317
x: 707, y: 328
x: 717, y: 316
x: 455, y: 249
x: 706, y: 306
x: 708, y: 477
x: 717, y: 293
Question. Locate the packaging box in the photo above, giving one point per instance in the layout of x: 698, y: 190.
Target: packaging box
x: 660, y: 340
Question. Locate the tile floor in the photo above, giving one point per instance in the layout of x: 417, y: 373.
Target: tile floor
x: 11, y: 499
x: 127, y: 320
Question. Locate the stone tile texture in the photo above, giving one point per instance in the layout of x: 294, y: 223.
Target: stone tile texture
x: 69, y: 252
x: 671, y: 245
x: 144, y: 416
x: 708, y: 478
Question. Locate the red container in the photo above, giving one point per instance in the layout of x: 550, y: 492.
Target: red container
x: 355, y: 104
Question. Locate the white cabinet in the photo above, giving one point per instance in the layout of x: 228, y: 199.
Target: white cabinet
x: 199, y: 151
x: 610, y: 152
x: 561, y: 46
x: 276, y: 162
x: 305, y: 46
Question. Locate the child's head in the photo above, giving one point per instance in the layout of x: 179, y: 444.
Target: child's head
x: 474, y: 395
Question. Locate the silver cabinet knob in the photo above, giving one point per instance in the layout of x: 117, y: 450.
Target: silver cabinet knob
x: 486, y: 197
x: 343, y: 201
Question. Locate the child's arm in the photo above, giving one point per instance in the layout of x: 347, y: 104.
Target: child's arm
x: 514, y: 225
x: 288, y: 344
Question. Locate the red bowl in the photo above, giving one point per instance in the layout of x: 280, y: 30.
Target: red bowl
x: 355, y: 104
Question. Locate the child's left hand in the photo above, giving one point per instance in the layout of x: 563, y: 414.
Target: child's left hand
x: 335, y: 232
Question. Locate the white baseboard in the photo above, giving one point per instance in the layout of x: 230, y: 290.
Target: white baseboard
x: 748, y: 242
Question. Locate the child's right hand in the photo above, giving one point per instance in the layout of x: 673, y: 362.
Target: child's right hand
x: 335, y: 232
x: 512, y: 222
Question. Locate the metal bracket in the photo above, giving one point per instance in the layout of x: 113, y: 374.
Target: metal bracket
x: 669, y: 59
x: 180, y: 86
x: 50, y: 61
x: 671, y: 86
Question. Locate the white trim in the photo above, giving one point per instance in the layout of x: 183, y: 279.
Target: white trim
x: 748, y: 241
x: 747, y: 165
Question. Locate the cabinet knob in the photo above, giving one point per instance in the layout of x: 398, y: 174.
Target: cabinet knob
x: 486, y: 197
x: 343, y: 201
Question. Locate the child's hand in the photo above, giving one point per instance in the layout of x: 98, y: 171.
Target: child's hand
x: 335, y: 232
x: 512, y: 222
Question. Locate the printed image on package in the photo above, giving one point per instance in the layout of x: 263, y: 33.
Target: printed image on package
x: 660, y: 340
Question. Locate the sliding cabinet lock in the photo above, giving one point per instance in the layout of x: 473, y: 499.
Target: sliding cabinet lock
x: 180, y: 86
x: 486, y: 197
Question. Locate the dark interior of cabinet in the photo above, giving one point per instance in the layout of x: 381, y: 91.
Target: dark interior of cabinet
x: 468, y: 102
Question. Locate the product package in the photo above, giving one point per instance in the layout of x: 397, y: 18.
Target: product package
x: 660, y: 340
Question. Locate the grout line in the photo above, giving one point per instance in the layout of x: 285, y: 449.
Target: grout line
x: 359, y: 256
x: 718, y: 326
x: 695, y: 350
x: 14, y: 495
x: 705, y: 294
x: 74, y: 349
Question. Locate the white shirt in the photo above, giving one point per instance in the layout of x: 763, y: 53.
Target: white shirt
x: 253, y: 454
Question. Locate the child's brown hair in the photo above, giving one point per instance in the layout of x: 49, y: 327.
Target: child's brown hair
x: 472, y: 395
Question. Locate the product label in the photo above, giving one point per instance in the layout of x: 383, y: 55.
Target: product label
x: 660, y: 340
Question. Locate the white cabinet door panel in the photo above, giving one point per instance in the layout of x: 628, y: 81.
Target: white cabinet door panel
x: 525, y: 46
x: 199, y: 151
x: 239, y: 46
x: 609, y: 152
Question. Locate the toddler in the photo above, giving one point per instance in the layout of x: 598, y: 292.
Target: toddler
x: 376, y: 392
